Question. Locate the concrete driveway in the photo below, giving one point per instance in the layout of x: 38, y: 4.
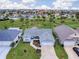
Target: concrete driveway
x: 4, y: 51
x: 48, y: 52
x: 71, y: 54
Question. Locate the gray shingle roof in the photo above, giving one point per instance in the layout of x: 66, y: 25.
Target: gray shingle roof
x: 45, y: 35
x: 63, y: 31
x: 8, y: 35
x: 77, y: 30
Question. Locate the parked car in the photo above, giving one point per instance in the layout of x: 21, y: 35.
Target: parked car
x: 76, y: 50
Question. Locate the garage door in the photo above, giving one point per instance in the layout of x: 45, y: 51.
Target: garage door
x: 69, y: 43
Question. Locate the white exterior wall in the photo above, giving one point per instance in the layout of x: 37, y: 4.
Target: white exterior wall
x: 5, y: 43
x: 69, y: 43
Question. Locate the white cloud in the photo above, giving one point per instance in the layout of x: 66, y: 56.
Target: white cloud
x: 28, y: 1
x: 30, y: 4
x: 8, y: 4
x: 42, y: 7
x: 63, y: 4
x: 74, y: 8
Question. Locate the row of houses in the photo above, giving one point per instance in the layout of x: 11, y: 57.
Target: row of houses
x: 66, y: 35
x: 30, y: 13
x: 12, y: 36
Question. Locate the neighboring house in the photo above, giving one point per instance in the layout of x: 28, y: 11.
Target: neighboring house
x: 7, y: 37
x: 45, y: 36
x: 66, y: 35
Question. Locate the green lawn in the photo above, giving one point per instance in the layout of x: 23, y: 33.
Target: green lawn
x: 60, y: 51
x: 18, y: 52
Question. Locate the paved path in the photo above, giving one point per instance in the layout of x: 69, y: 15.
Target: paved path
x: 71, y: 53
x: 4, y: 51
x: 48, y: 52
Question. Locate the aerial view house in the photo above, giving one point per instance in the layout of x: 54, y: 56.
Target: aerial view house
x: 44, y: 35
x: 66, y: 35
x: 7, y: 38
x: 41, y: 39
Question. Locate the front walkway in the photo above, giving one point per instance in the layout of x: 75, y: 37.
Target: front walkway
x: 4, y: 51
x: 71, y: 53
x: 48, y: 52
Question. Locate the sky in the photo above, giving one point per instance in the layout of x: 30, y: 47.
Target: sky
x: 39, y: 4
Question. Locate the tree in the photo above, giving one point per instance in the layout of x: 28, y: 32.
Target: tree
x: 77, y: 16
x: 43, y: 18
x: 21, y: 19
x: 38, y: 18
x: 5, y: 27
x: 11, y: 20
x: 52, y: 18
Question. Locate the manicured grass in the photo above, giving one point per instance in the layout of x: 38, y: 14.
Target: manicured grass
x: 60, y: 52
x: 18, y: 52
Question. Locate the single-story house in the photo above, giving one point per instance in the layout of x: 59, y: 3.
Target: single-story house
x: 66, y: 35
x: 9, y: 36
x: 45, y: 35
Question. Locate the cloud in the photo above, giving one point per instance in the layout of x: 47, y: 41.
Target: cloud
x: 63, y: 4
x: 42, y: 7
x: 74, y: 8
x: 8, y: 4
x: 31, y: 4
x: 28, y: 1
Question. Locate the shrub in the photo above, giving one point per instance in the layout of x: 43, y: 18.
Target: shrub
x: 13, y: 44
